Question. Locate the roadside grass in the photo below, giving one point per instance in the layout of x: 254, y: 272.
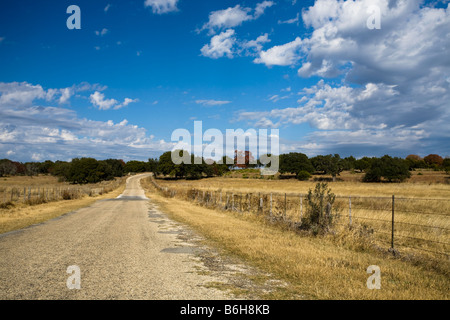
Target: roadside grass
x: 21, y: 215
x: 315, y: 267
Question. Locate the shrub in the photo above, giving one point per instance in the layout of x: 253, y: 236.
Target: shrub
x: 6, y: 205
x: 319, y: 203
x: 303, y: 175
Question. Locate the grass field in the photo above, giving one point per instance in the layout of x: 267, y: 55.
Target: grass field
x: 430, y: 184
x: 46, y: 203
x: 331, y: 266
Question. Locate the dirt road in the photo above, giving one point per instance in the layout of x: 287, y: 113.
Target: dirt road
x: 124, y: 248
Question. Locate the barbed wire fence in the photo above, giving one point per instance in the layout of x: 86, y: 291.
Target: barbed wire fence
x: 43, y: 194
x: 395, y: 223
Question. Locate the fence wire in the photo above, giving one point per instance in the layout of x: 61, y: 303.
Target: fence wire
x: 416, y: 221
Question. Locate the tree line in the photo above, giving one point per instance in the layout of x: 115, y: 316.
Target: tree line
x: 90, y: 170
x: 386, y: 168
x: 78, y: 171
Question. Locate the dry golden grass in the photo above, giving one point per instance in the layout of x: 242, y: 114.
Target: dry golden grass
x: 316, y: 268
x: 422, y: 211
x: 340, y: 188
x: 22, y: 215
x: 26, y: 181
x: 45, y: 188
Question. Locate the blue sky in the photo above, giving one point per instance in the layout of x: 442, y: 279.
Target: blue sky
x: 138, y: 70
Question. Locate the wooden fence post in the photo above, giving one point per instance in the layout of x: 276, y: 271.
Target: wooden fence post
x: 301, y: 208
x: 350, y: 210
x: 261, y: 204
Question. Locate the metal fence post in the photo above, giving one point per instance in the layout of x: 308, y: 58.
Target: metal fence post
x: 393, y: 211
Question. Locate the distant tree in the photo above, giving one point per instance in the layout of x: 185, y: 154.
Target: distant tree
x: 84, y: 170
x: 391, y: 169
x: 195, y: 170
x: 153, y: 165
x: 318, y: 163
x: 167, y: 167
x: 446, y: 165
x: 20, y: 168
x: 165, y: 164
x: 363, y: 164
x: 223, y: 165
x: 415, y: 162
x: 60, y: 169
x: 414, y: 157
x: 433, y: 161
x: 32, y: 168
x: 45, y: 167
x: 114, y: 167
x: 7, y: 168
x: 295, y: 162
x: 135, y: 167
x: 349, y: 163
x: 330, y: 164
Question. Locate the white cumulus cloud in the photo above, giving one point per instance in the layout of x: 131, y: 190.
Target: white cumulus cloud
x: 162, y: 6
x: 30, y: 131
x: 281, y: 55
x: 221, y: 45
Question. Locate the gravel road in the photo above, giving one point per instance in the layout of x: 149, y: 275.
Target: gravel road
x: 125, y: 249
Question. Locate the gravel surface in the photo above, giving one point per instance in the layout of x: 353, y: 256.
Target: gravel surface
x: 125, y: 249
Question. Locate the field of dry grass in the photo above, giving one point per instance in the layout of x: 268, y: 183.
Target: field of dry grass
x: 325, y: 267
x: 46, y: 199
x: 422, y: 210
x: 428, y: 185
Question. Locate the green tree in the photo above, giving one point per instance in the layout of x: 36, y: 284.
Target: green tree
x: 446, y: 165
x: 83, y: 170
x: 135, y: 167
x: 114, y: 167
x: 391, y: 169
x: 330, y: 164
x: 363, y: 164
x: 294, y: 163
x: 7, y: 168
x: 45, y: 167
x: 153, y: 165
x: 415, y: 162
x: 33, y: 168
x: 349, y: 163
